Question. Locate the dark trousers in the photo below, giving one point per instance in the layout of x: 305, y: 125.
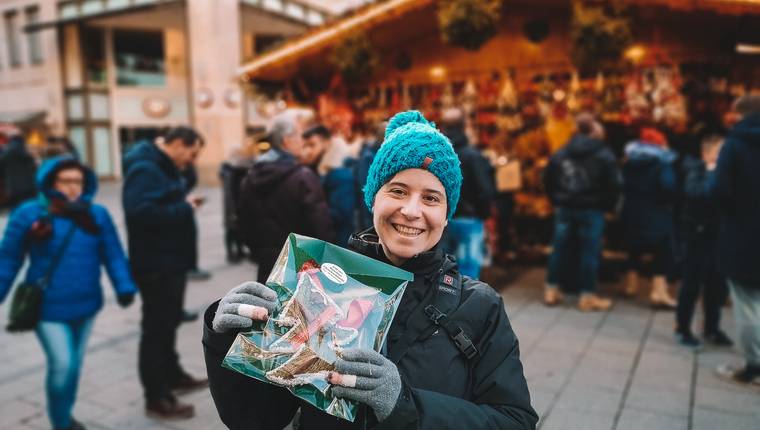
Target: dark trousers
x: 660, y: 249
x: 576, y: 230
x: 701, y: 274
x: 158, y: 362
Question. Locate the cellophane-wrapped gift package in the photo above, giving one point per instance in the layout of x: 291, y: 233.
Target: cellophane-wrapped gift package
x: 330, y: 299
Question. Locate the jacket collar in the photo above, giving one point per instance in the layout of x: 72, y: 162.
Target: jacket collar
x: 426, y: 263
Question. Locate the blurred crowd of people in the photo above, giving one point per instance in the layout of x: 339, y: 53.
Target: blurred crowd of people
x: 688, y: 213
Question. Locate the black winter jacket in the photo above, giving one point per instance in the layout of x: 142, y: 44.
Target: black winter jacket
x: 583, y: 175
x: 278, y: 196
x: 160, y: 223
x: 441, y: 389
x: 478, y: 187
x: 19, y: 170
x: 736, y: 185
x: 700, y: 215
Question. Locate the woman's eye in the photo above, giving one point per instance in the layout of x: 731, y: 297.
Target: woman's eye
x: 397, y: 191
x: 432, y: 199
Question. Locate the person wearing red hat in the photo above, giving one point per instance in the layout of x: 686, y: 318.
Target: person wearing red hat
x: 647, y: 215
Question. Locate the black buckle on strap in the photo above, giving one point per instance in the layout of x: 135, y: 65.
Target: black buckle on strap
x: 464, y: 344
x: 434, y: 314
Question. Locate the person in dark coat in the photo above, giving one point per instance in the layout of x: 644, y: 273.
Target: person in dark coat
x: 334, y: 169
x: 161, y: 235
x: 280, y: 196
x: 647, y: 215
x: 583, y: 182
x: 735, y: 185
x: 417, y: 382
x: 64, y: 215
x: 700, y: 218
x: 465, y: 235
x: 231, y: 173
x: 19, y: 169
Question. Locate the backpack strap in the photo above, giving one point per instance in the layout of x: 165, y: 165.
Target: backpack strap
x: 433, y: 313
x: 447, y: 299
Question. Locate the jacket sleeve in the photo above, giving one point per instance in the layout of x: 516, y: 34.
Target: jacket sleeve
x: 549, y: 178
x: 667, y: 181
x: 315, y: 210
x: 243, y: 403
x: 12, y: 248
x: 485, y: 185
x: 113, y: 256
x: 613, y: 181
x: 695, y: 183
x: 721, y: 184
x: 144, y: 198
x: 500, y: 397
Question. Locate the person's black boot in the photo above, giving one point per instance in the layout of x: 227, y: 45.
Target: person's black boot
x: 719, y: 338
x: 685, y: 338
x: 75, y: 425
x: 186, y: 384
x: 169, y: 408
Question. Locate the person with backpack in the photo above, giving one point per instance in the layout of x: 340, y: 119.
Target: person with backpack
x: 67, y: 239
x: 583, y: 182
x: 451, y: 359
x: 465, y: 235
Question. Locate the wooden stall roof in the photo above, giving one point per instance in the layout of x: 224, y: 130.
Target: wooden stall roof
x: 399, y: 19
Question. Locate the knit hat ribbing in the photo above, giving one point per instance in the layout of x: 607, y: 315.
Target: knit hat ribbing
x: 412, y: 142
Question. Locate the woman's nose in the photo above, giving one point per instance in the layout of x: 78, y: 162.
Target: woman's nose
x: 411, y: 208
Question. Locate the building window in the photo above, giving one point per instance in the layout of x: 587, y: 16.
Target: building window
x: 11, y: 37
x: 139, y: 58
x: 93, y: 48
x: 33, y: 37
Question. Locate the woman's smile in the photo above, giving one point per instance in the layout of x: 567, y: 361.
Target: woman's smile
x: 407, y: 231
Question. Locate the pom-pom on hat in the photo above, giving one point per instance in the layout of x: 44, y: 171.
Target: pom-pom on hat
x: 412, y: 142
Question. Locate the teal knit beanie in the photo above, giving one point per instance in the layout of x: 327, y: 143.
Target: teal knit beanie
x: 412, y: 142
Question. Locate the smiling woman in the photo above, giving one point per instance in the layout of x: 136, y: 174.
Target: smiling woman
x: 451, y: 359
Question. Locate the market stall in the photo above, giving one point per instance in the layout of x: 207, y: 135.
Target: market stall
x: 521, y: 73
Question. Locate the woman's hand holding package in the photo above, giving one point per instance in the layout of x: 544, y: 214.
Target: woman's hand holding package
x: 365, y: 376
x: 245, y: 303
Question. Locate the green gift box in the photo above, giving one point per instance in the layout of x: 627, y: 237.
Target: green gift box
x: 330, y: 299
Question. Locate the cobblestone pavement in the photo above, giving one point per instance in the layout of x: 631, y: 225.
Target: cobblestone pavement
x: 614, y: 370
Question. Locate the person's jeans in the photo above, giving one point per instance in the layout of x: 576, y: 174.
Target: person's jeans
x: 158, y: 362
x: 700, y: 272
x: 576, y: 230
x: 746, y: 304
x: 465, y: 239
x: 64, y: 344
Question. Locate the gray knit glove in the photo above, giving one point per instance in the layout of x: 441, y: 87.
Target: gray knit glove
x: 365, y: 376
x: 247, y: 302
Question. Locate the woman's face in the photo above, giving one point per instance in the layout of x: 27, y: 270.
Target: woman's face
x: 409, y: 214
x: 70, y: 183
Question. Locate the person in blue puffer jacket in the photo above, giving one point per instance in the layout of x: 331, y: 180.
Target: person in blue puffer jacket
x: 74, y: 296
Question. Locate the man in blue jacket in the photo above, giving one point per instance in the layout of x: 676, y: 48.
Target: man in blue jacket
x: 161, y: 235
x: 735, y: 185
